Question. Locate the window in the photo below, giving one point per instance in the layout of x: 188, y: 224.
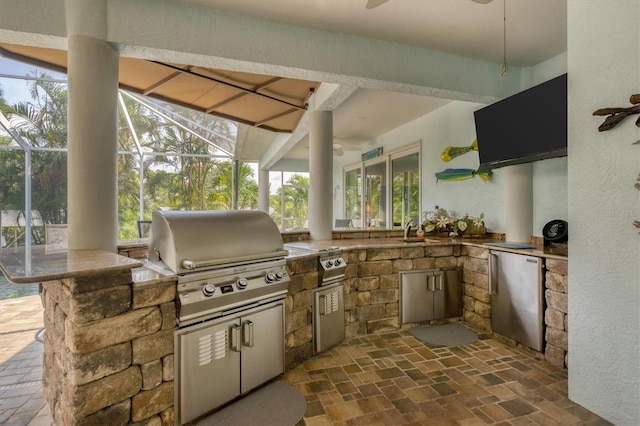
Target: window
x: 405, y: 198
x: 289, y: 200
x: 353, y: 196
x: 375, y: 195
x: 385, y: 191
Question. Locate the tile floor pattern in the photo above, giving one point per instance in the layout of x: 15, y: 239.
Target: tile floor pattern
x: 394, y: 379
x: 385, y: 379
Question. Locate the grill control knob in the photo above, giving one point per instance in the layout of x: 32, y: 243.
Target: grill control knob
x: 271, y: 277
x: 208, y: 290
x: 338, y: 262
x: 279, y: 276
x: 242, y: 283
x: 329, y: 264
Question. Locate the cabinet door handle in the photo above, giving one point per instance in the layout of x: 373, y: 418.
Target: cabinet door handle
x: 235, y: 338
x: 440, y: 282
x: 431, y: 283
x: 493, y: 263
x: 247, y: 333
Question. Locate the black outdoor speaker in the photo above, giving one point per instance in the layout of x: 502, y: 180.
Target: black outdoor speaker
x: 556, y: 231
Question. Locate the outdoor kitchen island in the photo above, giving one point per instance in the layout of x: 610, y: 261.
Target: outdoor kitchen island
x: 110, y: 321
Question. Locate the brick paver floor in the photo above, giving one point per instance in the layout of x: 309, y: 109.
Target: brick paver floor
x: 385, y: 379
x: 21, y: 398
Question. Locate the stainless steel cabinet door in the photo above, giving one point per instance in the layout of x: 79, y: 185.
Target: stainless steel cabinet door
x: 262, y: 346
x: 417, y: 297
x: 452, y: 293
x: 328, y: 317
x: 430, y: 294
x: 209, y: 367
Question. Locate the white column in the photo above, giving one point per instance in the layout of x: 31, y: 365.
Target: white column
x: 92, y: 139
x: 519, y: 203
x: 320, y: 174
x: 263, y: 190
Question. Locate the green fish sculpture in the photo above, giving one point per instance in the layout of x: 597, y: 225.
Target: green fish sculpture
x: 452, y: 152
x: 462, y: 174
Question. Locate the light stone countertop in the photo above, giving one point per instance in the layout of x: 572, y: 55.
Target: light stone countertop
x: 46, y: 263
x: 307, y: 248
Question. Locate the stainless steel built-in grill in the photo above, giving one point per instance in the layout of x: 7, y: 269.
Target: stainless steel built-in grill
x: 232, y: 281
x: 332, y: 265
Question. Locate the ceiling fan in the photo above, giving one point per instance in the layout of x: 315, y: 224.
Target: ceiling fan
x: 340, y: 148
x: 371, y: 4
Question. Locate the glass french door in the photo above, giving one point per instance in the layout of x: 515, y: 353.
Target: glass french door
x: 384, y: 192
x: 405, y: 189
x: 375, y: 195
x: 353, y: 196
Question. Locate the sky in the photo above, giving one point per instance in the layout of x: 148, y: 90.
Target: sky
x: 15, y: 90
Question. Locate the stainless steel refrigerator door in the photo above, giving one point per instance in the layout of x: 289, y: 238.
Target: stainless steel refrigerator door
x: 262, y: 345
x: 328, y: 316
x: 209, y: 367
x: 516, y: 297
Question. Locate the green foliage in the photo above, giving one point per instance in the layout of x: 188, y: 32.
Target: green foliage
x: 42, y: 123
x: 295, y: 195
x: 194, y: 181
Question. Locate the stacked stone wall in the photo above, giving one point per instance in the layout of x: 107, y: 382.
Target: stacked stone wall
x: 138, y: 253
x: 555, y: 316
x: 298, y: 310
x: 476, y: 298
x: 109, y: 350
x: 371, y: 291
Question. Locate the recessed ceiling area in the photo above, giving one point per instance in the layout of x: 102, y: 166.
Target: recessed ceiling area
x: 368, y: 114
x: 534, y: 31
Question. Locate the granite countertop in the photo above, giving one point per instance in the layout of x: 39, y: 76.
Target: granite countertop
x: 46, y: 264
x: 308, y: 248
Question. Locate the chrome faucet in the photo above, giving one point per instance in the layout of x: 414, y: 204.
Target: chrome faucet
x: 407, y: 229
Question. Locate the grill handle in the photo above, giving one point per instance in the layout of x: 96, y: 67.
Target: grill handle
x: 235, y: 338
x: 247, y: 333
x: 196, y: 264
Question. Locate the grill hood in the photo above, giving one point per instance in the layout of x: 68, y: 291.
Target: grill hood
x: 187, y: 241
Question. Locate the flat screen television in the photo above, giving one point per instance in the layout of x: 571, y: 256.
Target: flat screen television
x: 528, y: 126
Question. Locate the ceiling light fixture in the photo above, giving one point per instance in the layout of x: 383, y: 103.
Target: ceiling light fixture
x: 505, y: 66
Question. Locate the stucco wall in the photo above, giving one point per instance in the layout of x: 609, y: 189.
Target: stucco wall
x: 453, y: 124
x: 604, y: 259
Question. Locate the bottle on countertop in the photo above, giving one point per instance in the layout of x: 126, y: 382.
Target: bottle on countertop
x: 420, y: 233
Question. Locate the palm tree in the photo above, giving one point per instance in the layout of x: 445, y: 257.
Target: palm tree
x: 42, y: 123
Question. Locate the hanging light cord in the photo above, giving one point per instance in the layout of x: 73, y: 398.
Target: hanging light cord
x: 505, y: 66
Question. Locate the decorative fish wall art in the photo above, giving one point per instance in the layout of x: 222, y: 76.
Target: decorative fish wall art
x: 452, y: 152
x: 462, y: 174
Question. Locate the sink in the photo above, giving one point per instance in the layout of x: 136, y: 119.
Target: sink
x: 414, y: 240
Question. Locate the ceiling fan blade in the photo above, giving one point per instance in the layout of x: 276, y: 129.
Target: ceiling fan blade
x: 482, y: 1
x: 375, y: 3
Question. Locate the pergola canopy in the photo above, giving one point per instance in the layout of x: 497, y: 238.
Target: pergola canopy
x: 271, y: 103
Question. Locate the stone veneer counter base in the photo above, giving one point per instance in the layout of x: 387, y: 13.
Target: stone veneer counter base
x: 109, y: 356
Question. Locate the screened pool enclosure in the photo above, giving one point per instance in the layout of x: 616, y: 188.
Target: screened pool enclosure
x: 169, y: 157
